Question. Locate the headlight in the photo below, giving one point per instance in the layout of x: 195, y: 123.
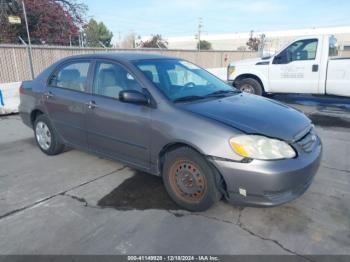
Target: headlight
x: 260, y: 147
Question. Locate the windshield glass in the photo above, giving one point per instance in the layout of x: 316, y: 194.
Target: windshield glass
x: 182, y: 81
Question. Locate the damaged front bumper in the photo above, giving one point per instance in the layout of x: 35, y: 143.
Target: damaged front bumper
x: 271, y: 183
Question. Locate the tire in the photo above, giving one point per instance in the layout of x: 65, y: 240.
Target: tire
x: 195, y: 188
x: 250, y: 85
x: 46, y: 136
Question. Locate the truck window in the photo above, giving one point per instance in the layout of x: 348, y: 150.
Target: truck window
x: 301, y: 50
x: 333, y: 47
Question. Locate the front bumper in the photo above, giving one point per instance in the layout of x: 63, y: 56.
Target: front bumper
x: 271, y: 183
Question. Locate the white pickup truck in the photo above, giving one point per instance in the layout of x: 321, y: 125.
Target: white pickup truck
x: 308, y: 65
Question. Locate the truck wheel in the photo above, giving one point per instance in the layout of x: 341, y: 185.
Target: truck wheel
x: 46, y: 136
x: 189, y: 180
x: 251, y: 86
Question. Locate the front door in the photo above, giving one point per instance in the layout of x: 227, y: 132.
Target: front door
x: 65, y: 100
x: 117, y: 129
x: 297, y: 68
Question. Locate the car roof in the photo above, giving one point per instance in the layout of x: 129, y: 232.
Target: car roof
x: 122, y: 56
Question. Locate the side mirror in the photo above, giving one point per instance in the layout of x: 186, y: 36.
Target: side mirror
x: 282, y: 58
x: 134, y: 97
x: 277, y: 59
x: 289, y: 56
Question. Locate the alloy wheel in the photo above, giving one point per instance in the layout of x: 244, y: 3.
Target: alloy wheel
x: 43, y: 135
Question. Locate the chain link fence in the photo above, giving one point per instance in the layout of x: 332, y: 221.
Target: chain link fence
x: 14, y: 61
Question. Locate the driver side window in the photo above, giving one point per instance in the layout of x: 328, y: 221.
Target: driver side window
x: 111, y: 79
x: 302, y: 50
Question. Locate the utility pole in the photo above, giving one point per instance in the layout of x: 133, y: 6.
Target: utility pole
x: 200, y: 26
x: 29, y: 41
x: 262, y: 44
x: 8, y: 9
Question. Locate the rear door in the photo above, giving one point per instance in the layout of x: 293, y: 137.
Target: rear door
x: 117, y: 129
x: 65, y: 100
x: 297, y: 68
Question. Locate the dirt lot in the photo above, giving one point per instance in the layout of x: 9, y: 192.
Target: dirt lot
x: 77, y: 203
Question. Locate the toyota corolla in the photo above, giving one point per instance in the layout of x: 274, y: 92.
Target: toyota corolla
x: 170, y: 118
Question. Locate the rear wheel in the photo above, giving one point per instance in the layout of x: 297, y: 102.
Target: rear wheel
x: 189, y: 180
x: 46, y: 136
x: 251, y: 86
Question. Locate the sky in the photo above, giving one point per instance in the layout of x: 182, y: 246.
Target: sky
x: 180, y: 17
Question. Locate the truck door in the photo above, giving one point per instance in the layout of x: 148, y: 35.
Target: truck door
x: 297, y: 68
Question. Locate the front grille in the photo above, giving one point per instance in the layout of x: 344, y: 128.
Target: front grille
x: 308, y: 142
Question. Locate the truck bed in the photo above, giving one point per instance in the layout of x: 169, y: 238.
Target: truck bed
x: 338, y: 76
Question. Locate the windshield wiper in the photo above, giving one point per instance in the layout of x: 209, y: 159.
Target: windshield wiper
x: 219, y: 93
x: 188, y: 98
x: 223, y: 93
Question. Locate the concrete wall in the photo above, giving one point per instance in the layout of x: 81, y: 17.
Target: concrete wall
x: 9, y: 98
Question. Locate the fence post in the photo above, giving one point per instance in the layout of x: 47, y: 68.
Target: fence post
x: 103, y: 45
x: 29, y: 56
x: 15, y: 63
x: 29, y: 41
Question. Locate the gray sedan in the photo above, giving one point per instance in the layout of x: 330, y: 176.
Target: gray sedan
x: 170, y: 118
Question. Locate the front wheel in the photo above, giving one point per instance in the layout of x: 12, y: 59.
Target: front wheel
x: 46, y: 136
x: 251, y: 86
x: 189, y: 180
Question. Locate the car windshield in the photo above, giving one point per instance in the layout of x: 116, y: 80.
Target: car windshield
x: 181, y: 81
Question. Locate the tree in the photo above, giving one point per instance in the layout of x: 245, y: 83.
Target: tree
x: 156, y: 41
x: 97, y: 33
x: 204, y: 45
x: 50, y: 21
x: 253, y: 42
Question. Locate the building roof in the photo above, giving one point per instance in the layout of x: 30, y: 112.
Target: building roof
x: 280, y: 33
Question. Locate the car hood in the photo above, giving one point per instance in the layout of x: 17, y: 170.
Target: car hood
x: 254, y: 115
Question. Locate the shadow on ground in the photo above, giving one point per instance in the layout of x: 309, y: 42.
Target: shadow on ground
x: 142, y: 191
x: 329, y: 121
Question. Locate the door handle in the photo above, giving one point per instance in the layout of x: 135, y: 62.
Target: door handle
x: 314, y: 68
x: 48, y: 95
x: 91, y: 105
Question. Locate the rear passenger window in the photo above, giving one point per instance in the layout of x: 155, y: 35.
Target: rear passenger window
x: 110, y: 79
x: 72, y: 76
